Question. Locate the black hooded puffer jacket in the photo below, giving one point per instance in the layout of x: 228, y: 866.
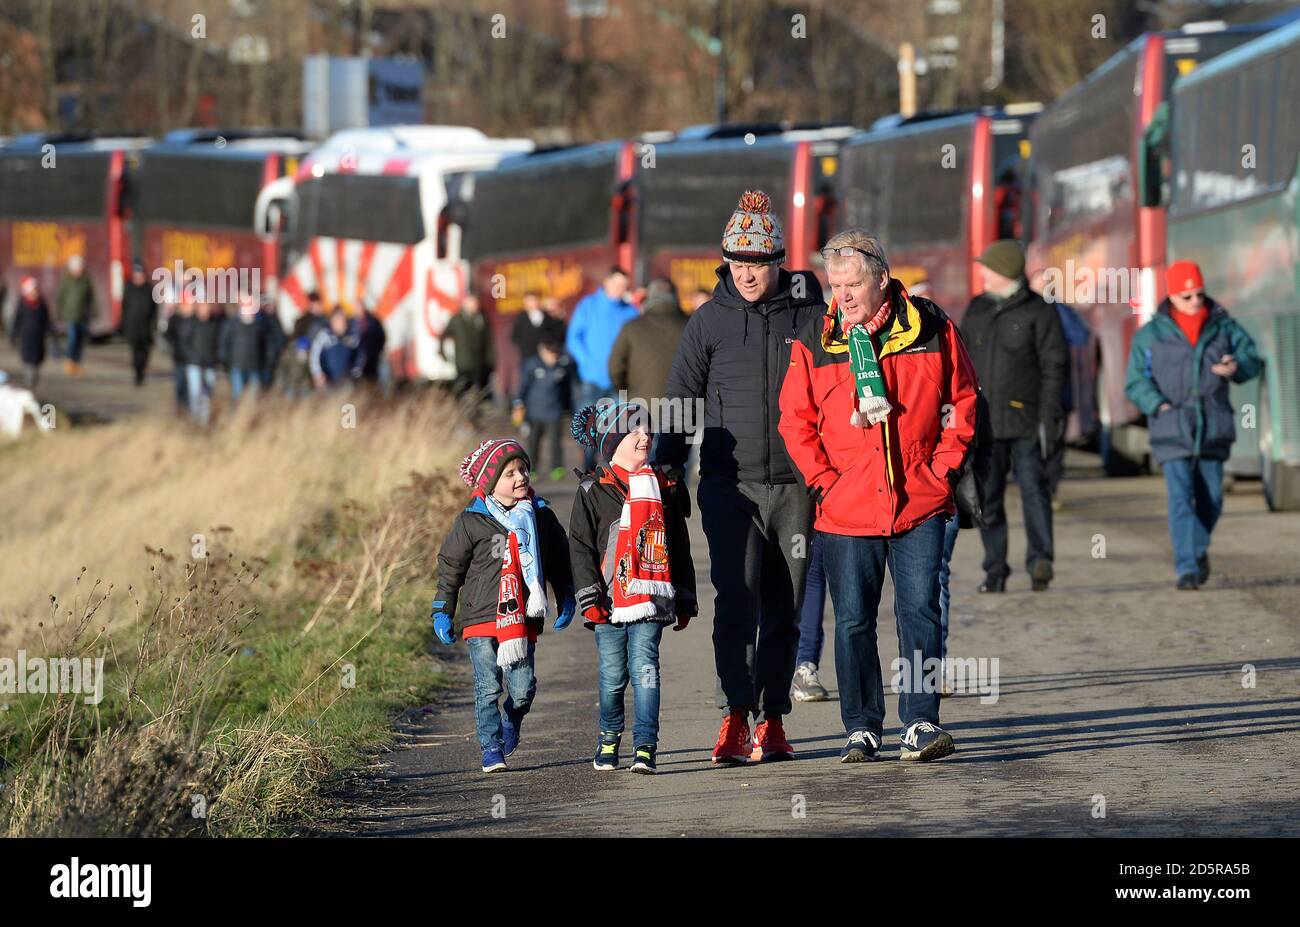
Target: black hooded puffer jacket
x: 734, y: 355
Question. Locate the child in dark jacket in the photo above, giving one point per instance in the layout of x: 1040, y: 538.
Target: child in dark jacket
x: 631, y: 554
x: 494, y: 563
x: 545, y: 401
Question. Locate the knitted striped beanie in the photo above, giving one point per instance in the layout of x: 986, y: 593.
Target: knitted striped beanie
x: 482, y: 468
x: 604, y: 426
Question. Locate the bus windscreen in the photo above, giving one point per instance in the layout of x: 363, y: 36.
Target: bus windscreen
x: 363, y: 207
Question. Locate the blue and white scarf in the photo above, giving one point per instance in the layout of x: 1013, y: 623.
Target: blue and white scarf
x: 521, y: 520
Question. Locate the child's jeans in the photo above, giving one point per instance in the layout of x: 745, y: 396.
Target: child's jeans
x: 520, y: 679
x: 630, y: 651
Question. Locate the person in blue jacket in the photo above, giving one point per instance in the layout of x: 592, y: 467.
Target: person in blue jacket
x: 593, y: 329
x: 1178, y: 373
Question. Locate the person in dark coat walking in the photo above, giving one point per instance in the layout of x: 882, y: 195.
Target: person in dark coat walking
x: 732, y: 358
x: 31, y: 330
x: 295, y: 364
x: 533, y: 326
x: 276, y: 340
x: 545, y: 401
x: 76, y: 302
x: 201, y: 345
x: 1015, y: 341
x: 139, y: 320
x: 371, y: 339
x: 245, y: 342
x: 175, y: 332
x: 1179, y: 368
x: 470, y: 338
x: 334, y: 352
x: 644, y: 350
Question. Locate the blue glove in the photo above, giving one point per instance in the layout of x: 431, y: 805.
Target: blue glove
x: 567, y: 608
x: 442, y: 623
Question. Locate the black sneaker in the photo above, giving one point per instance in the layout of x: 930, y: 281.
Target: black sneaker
x: 1041, y: 575
x: 924, y: 741
x: 863, y: 747
x: 607, y: 751
x: 644, y: 760
x: 1188, y: 583
x: 995, y: 582
x: 1202, y: 569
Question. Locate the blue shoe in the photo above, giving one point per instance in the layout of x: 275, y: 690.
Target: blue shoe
x: 607, y: 751
x: 924, y: 741
x: 510, y: 733
x: 644, y: 760
x: 862, y: 747
x: 493, y: 760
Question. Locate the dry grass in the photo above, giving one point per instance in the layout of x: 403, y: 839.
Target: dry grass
x: 224, y: 709
x: 100, y: 496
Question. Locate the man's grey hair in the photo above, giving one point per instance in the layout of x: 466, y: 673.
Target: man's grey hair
x: 661, y: 286
x: 873, y: 261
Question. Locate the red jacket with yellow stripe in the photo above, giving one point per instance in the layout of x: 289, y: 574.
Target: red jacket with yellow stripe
x: 885, y: 479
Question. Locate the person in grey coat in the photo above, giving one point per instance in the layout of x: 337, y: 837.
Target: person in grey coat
x: 1179, y: 368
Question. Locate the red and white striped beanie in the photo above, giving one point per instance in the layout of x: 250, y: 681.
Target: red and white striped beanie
x: 482, y: 468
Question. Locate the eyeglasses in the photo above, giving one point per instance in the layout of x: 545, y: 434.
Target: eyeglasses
x: 1199, y: 294
x: 847, y: 251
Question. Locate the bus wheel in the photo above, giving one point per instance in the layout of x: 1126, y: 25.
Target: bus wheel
x: 1281, y: 482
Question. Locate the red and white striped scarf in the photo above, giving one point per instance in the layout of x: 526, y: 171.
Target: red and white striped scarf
x: 512, y: 618
x: 641, y: 571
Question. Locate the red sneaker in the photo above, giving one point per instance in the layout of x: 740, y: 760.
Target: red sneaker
x: 733, y: 740
x: 770, y: 743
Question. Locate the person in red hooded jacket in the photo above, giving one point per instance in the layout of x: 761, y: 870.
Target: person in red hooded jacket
x: 877, y: 412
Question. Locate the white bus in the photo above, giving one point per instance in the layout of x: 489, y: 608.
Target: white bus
x: 363, y: 222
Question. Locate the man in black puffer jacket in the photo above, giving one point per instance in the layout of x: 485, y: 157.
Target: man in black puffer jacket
x: 756, y: 515
x: 1018, y: 347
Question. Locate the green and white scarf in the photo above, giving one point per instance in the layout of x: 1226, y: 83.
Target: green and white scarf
x: 872, y: 406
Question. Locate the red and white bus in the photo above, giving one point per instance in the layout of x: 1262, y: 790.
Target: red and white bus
x: 684, y: 200
x: 555, y: 222
x: 192, y: 199
x: 364, y: 221
x: 937, y: 189
x: 551, y: 222
x: 62, y: 195
x: 1088, y: 224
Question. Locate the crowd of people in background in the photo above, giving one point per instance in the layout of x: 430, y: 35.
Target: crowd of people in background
x: 323, y: 350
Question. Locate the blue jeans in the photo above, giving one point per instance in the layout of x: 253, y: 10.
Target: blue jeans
x: 945, y: 573
x: 1035, y: 502
x: 630, y: 652
x: 179, y: 380
x: 1195, y: 488
x: 520, y: 679
x: 199, y: 384
x: 811, y: 633
x: 76, y: 342
x: 855, y: 573
x: 243, y: 378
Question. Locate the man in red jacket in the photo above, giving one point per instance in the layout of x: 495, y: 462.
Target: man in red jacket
x: 877, y: 412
